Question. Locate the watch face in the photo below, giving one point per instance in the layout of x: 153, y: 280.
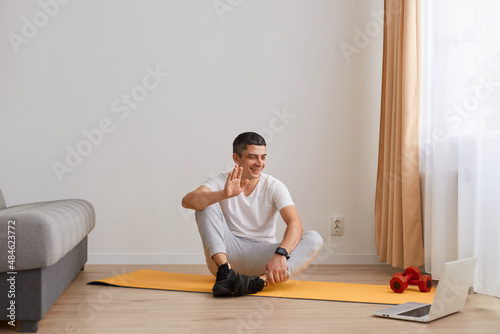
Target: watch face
x: 281, y: 251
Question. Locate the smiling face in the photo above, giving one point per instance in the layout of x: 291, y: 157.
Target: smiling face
x: 253, y: 161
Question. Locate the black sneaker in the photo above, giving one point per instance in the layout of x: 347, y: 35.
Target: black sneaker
x: 247, y: 284
x: 224, y: 283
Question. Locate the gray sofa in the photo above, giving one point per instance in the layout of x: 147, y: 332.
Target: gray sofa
x: 50, y: 249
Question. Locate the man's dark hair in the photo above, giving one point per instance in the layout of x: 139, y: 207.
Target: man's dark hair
x: 247, y: 138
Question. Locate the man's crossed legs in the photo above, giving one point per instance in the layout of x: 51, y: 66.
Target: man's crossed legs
x: 246, y: 256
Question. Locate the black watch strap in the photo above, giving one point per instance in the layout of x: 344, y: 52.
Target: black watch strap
x: 282, y: 251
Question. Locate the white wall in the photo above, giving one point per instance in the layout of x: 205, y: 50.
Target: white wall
x: 228, y: 72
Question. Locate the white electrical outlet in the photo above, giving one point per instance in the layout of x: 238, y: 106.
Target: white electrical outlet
x: 336, y: 225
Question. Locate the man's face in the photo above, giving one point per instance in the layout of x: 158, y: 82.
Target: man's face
x: 253, y: 161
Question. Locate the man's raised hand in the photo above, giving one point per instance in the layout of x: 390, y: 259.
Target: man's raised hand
x: 234, y: 186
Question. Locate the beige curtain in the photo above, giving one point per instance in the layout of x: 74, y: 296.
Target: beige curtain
x: 398, y: 223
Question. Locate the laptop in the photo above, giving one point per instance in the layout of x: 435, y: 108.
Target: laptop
x: 450, y: 296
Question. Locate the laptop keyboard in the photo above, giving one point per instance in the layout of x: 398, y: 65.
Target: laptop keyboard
x: 417, y: 312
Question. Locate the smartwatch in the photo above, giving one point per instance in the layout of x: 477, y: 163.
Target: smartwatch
x: 282, y: 252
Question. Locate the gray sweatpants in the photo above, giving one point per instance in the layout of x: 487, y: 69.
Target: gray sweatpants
x: 249, y: 256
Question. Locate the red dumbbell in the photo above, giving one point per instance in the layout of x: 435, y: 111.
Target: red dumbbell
x: 411, y: 276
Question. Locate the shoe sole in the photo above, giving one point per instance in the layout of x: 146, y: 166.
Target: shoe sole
x: 221, y: 291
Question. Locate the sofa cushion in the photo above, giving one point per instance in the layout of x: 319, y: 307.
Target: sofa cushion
x: 45, y: 232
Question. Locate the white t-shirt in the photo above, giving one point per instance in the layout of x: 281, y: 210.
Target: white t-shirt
x: 254, y: 216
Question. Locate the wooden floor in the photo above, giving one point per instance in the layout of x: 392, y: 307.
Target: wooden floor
x: 99, y: 309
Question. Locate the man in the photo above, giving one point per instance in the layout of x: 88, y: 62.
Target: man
x: 236, y: 213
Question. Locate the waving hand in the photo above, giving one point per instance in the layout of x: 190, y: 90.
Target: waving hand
x: 234, y: 186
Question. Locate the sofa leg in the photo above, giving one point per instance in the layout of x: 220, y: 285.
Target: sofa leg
x: 83, y: 268
x: 29, y: 326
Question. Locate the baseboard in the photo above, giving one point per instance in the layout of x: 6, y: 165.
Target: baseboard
x: 199, y: 258
x: 146, y: 258
x: 347, y: 259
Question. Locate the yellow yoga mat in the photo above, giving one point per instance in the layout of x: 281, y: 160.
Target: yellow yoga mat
x: 349, y: 292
